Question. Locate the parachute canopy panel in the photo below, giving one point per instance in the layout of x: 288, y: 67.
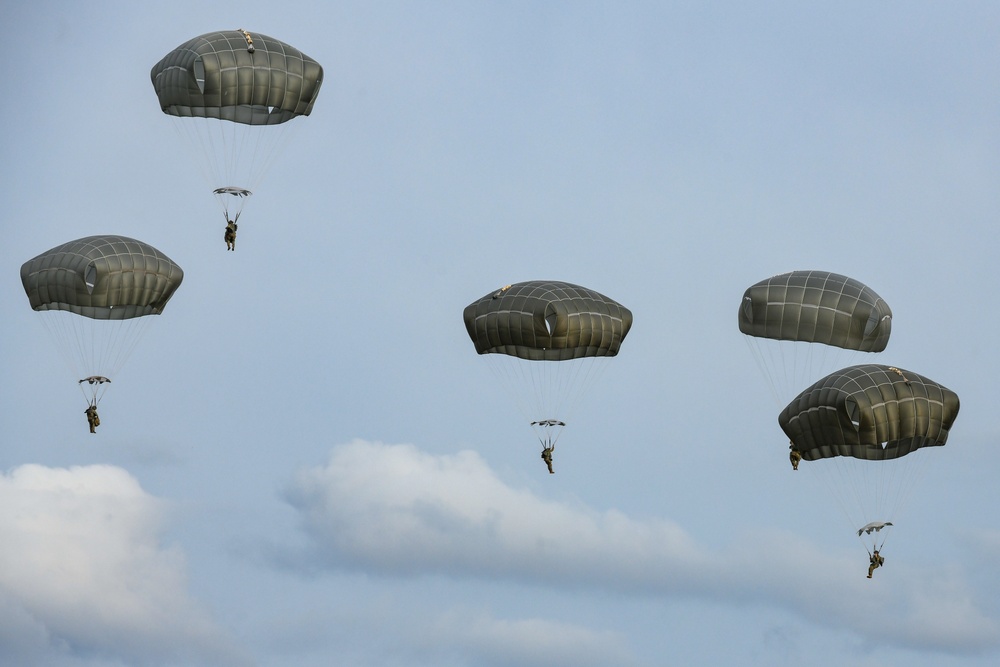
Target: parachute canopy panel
x: 545, y: 320
x: 102, y: 277
x: 870, y: 412
x: 817, y: 307
x: 242, y: 77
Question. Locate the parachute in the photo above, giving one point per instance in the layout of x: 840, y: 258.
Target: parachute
x: 233, y: 94
x: 873, y: 526
x: 94, y: 295
x: 868, y: 427
x: 804, y: 324
x: 869, y: 412
x: 547, y: 340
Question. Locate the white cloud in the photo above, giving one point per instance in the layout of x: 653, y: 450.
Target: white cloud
x: 487, y: 641
x: 82, y: 572
x: 437, y: 632
x: 402, y: 510
x: 396, y: 510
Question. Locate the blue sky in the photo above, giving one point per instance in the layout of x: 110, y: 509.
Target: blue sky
x: 304, y: 462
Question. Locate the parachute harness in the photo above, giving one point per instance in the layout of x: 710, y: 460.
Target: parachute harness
x: 882, y: 543
x: 878, y: 548
x: 89, y: 345
x: 96, y: 388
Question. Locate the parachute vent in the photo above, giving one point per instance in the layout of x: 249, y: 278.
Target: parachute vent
x: 853, y: 412
x: 874, y: 322
x: 199, y: 74
x: 748, y: 309
x: 551, y: 317
x: 90, y: 278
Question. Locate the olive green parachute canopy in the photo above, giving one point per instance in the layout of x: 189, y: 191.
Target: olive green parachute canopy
x: 870, y: 412
x: 544, y: 320
x: 237, y: 76
x: 101, y: 277
x: 817, y: 307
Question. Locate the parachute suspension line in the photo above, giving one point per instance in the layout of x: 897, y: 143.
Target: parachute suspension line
x: 516, y: 380
x: 790, y: 366
x: 889, y: 483
x: 907, y: 473
x: 866, y: 484
x: 876, y: 545
x: 548, y: 432
x: 546, y: 390
x: 226, y: 195
x: 861, y: 538
x: 63, y: 334
x: 765, y: 366
x: 885, y: 536
x: 93, y: 389
x: 865, y: 545
x: 251, y: 150
x: 128, y: 334
x: 194, y: 134
x: 92, y: 347
x: 870, y: 491
x: 561, y: 384
x: 233, y: 154
x: 843, y: 488
x: 524, y: 383
x: 529, y: 383
x: 586, y: 372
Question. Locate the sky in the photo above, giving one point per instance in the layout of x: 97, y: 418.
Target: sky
x: 305, y: 463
